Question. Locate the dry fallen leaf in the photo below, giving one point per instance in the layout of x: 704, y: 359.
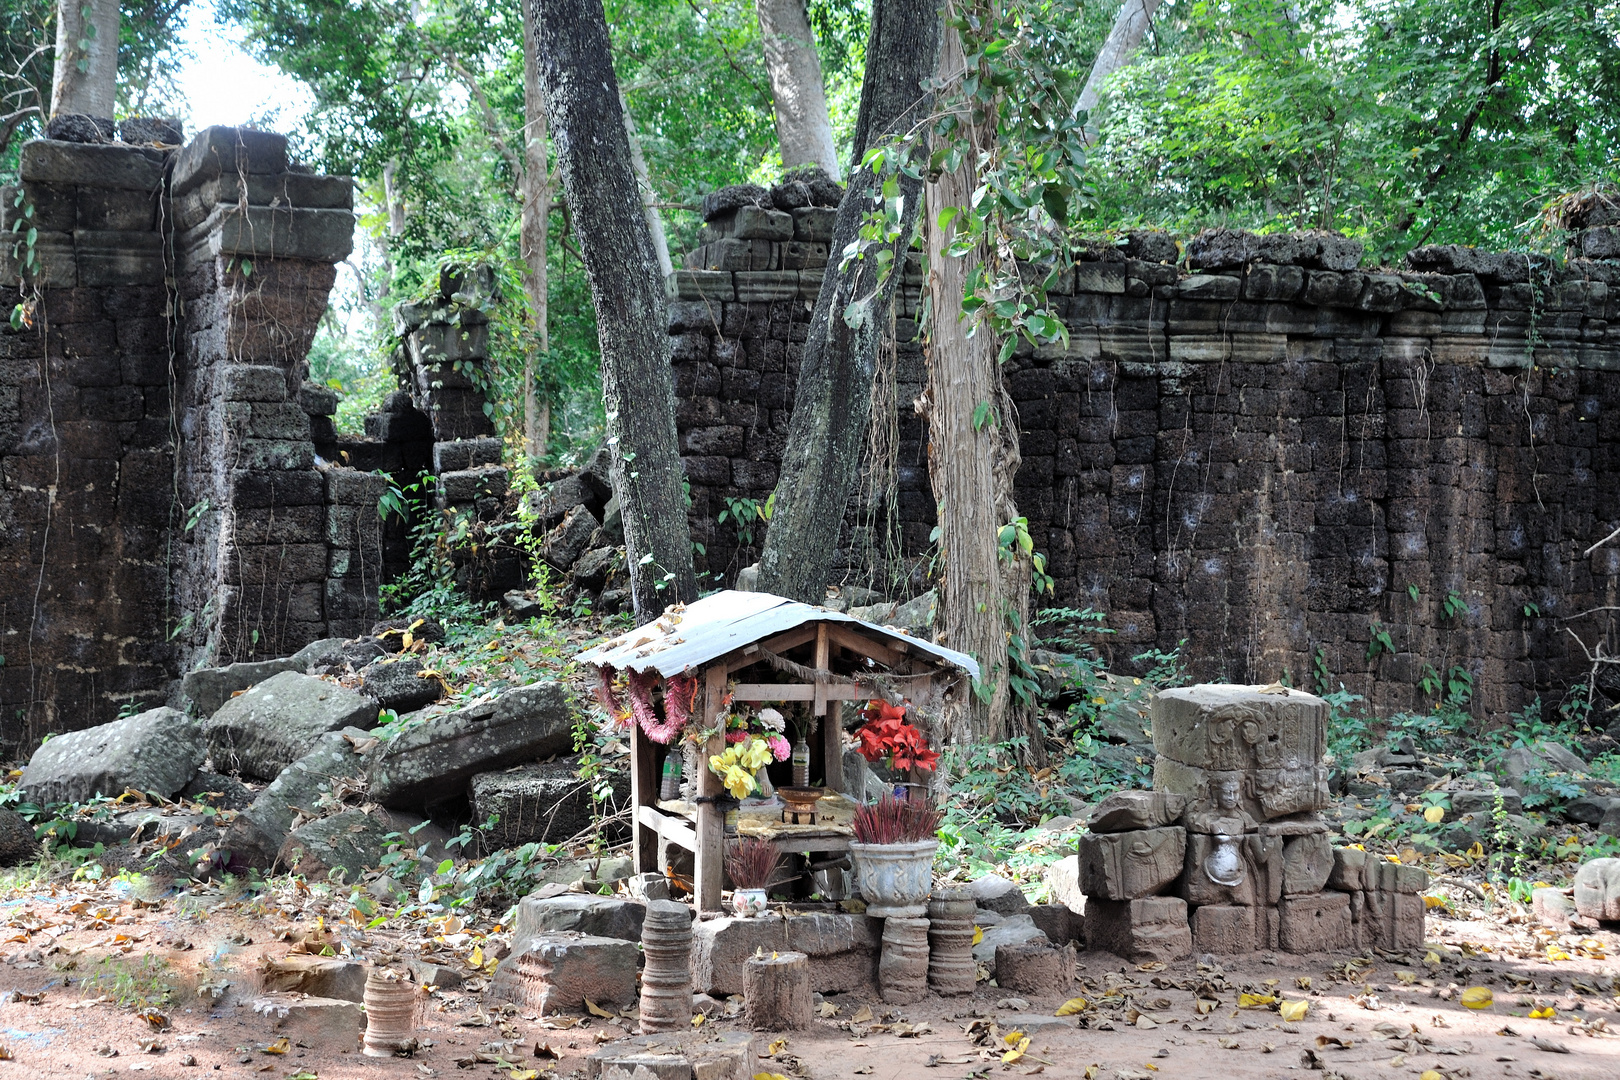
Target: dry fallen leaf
x: 1293, y: 1011
x: 280, y: 1046
x: 1476, y: 997
x: 1072, y: 1007
x: 1548, y: 1045
x: 596, y: 1010
x: 862, y: 1015
x: 1227, y: 1044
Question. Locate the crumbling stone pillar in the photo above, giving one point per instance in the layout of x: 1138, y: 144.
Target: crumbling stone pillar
x: 951, y: 969
x: 256, y: 242
x: 666, y: 979
x: 903, y: 964
x: 160, y: 503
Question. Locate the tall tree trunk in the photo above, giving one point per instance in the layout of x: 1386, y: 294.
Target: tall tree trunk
x: 638, y: 390
x: 832, y: 403
x: 1134, y: 17
x: 803, y: 127
x: 86, y: 75
x: 535, y: 192
x: 972, y: 451
x: 649, y: 197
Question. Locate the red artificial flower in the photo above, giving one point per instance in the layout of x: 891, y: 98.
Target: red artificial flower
x: 888, y: 736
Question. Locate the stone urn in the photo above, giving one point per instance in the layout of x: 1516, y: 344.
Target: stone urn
x: 895, y: 879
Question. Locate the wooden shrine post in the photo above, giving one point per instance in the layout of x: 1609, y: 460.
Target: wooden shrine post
x: 643, y: 792
x: 709, y: 857
x: 832, y: 742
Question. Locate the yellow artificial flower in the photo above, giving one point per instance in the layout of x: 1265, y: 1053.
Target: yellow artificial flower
x: 756, y: 753
x: 739, y: 782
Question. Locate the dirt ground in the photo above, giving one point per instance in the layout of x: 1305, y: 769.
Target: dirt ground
x: 97, y: 983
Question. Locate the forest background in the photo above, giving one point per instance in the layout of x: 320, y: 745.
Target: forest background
x: 1399, y: 122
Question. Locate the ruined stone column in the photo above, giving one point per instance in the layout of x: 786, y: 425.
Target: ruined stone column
x: 903, y: 965
x: 776, y: 992
x: 951, y: 969
x: 666, y: 978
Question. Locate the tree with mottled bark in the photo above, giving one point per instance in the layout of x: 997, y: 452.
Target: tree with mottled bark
x: 638, y: 389
x: 972, y: 443
x: 833, y: 400
x: 1133, y: 20
x: 803, y: 126
x: 86, y: 76
x: 534, y: 226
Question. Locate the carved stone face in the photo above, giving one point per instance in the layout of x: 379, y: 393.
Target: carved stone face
x: 1227, y: 792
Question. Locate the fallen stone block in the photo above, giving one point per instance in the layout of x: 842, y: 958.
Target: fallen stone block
x: 209, y: 688
x: 256, y: 836
x: 398, y: 684
x: 263, y: 731
x: 1597, y: 889
x: 1060, y: 924
x: 729, y: 1055
x: 843, y: 950
x: 1012, y: 930
x: 424, y: 764
x: 318, y: 976
x: 597, y: 916
x: 1224, y: 929
x: 1131, y: 865
x: 1553, y: 907
x: 350, y: 842
x: 1318, y: 922
x: 218, y: 791
x: 545, y: 802
x: 1127, y: 811
x: 1349, y: 870
x: 1150, y: 928
x: 562, y: 971
x: 1063, y: 883
x: 438, y: 976
x: 157, y: 751
x: 17, y: 841
x: 1039, y: 969
x: 313, y: 1021
x: 995, y: 893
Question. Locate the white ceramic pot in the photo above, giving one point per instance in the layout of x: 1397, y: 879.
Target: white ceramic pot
x: 895, y: 879
x: 748, y: 902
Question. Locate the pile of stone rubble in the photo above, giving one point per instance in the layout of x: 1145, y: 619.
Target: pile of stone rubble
x: 316, y: 762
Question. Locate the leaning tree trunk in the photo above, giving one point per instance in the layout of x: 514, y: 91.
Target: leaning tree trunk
x: 638, y: 391
x: 535, y: 190
x: 1134, y: 17
x: 832, y: 403
x: 649, y: 197
x: 803, y: 127
x: 972, y: 454
x: 86, y: 75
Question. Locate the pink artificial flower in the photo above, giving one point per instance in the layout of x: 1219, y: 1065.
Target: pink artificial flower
x: 781, y: 749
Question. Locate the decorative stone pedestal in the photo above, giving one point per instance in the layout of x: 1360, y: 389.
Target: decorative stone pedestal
x: 951, y: 969
x: 903, y: 965
x: 666, y: 976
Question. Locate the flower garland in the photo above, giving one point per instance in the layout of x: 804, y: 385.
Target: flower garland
x: 679, y: 696
x: 608, y: 695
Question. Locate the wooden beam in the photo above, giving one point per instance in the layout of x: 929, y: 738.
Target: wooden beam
x: 823, y: 657
x: 781, y: 643
x: 643, y: 793
x: 709, y: 846
x: 798, y: 692
x: 670, y: 827
x: 865, y: 646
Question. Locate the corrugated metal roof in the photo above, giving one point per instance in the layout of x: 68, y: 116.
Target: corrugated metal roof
x: 685, y: 640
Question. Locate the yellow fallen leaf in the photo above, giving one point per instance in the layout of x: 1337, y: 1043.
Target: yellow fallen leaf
x: 978, y: 934
x: 1555, y: 953
x: 1406, y: 978
x: 475, y: 959
x: 1546, y: 1012
x: 1012, y: 1037
x: 1255, y: 1001
x: 698, y: 1019
x: 1431, y: 1074
x: 769, y: 1076
x: 1012, y: 1056
x: 776, y: 1048
x: 596, y: 1010
x: 862, y: 1015
x: 1433, y: 902
x: 280, y: 1046
x: 1293, y: 1011
x: 1072, y: 1007
x: 524, y: 1074
x: 1150, y: 1065
x: 1476, y: 997
x: 1434, y: 815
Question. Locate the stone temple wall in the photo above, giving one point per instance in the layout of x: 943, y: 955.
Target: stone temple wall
x: 161, y: 501
x: 1249, y: 444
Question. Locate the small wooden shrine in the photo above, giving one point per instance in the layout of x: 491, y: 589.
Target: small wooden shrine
x: 741, y: 648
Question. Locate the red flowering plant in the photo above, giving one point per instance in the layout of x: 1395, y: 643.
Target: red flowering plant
x: 887, y: 736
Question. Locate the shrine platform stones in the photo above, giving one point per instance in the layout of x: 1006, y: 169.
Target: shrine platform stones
x: 843, y: 949
x: 1228, y: 853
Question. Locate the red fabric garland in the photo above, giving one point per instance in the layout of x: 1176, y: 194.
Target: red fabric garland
x: 608, y: 696
x: 641, y: 707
